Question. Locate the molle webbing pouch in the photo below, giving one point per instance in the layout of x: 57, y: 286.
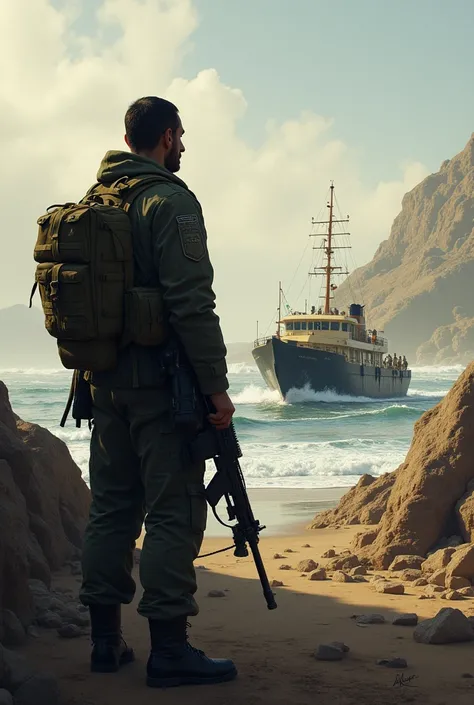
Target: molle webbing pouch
x: 145, y: 322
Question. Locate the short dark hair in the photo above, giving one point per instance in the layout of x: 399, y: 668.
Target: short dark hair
x: 147, y: 119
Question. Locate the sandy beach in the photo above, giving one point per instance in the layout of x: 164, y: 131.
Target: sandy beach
x: 274, y: 651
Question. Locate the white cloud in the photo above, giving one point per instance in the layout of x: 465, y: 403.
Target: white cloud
x: 62, y: 101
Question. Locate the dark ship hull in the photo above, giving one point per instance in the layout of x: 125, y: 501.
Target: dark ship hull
x: 286, y: 365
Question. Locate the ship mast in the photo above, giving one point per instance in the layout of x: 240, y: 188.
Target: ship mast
x: 329, y: 253
x: 328, y: 248
x: 278, y: 334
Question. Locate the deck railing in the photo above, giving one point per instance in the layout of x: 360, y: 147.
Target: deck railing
x: 259, y: 342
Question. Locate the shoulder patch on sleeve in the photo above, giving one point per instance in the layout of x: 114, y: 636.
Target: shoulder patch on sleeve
x: 190, y: 232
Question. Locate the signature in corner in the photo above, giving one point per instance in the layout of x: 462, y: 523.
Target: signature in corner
x: 402, y: 680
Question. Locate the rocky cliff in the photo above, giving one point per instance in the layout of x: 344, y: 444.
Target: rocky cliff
x: 418, y: 287
x: 44, y: 504
x: 428, y: 501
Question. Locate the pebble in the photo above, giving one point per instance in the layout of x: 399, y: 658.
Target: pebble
x: 420, y: 582
x: 409, y: 575
x: 340, y: 577
x: 319, y: 574
x: 335, y: 651
x: 466, y: 591
x: 359, y: 570
x: 452, y: 595
x: 288, y: 550
x: 370, y: 619
x: 49, y: 620
x: 406, y: 620
x: 393, y: 662
x: 331, y: 553
x: 307, y: 566
x: 285, y: 567
x: 216, y: 593
x: 389, y: 588
x: 277, y: 556
x: 69, y: 631
x: 306, y: 545
x: 276, y: 583
x: 71, y: 615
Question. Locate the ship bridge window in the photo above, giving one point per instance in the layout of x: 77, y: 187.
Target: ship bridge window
x: 289, y: 326
x: 324, y: 325
x: 334, y: 325
x: 297, y: 325
x: 317, y: 325
x: 310, y: 325
x: 303, y: 325
x: 344, y: 327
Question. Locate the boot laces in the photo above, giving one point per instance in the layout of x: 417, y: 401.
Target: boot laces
x: 190, y: 646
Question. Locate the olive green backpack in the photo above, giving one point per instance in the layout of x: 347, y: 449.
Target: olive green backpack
x: 84, y: 274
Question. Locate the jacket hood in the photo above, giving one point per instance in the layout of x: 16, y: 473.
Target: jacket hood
x: 117, y: 164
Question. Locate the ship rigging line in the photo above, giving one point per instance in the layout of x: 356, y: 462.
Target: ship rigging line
x: 353, y: 267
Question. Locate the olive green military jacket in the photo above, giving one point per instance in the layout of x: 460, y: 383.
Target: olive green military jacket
x: 170, y: 252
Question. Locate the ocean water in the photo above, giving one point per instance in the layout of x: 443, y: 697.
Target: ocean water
x: 313, y: 440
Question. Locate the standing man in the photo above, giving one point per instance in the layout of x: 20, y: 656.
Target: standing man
x: 139, y: 468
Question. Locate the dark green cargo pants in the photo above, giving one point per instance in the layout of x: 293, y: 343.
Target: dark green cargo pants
x: 139, y: 471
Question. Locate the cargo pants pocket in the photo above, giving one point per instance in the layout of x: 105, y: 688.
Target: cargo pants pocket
x: 197, y: 508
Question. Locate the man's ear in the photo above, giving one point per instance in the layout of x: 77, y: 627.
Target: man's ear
x: 168, y: 138
x: 126, y: 141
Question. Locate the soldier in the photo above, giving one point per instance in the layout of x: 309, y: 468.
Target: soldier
x: 138, y: 464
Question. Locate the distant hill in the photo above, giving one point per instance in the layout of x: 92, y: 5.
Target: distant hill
x: 25, y: 342
x: 418, y: 287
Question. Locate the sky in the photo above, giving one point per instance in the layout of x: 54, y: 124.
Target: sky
x: 277, y: 99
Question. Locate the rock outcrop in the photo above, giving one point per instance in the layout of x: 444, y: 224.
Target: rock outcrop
x: 430, y: 494
x: 418, y: 287
x: 44, y: 505
x: 363, y: 504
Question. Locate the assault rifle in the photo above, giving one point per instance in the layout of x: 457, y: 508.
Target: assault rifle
x: 191, y: 410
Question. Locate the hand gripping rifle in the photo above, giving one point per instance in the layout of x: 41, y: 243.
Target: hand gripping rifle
x: 191, y: 410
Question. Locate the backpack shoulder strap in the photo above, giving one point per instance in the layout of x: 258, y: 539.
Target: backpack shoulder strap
x: 135, y: 188
x: 122, y: 192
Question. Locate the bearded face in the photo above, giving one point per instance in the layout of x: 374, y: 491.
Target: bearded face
x: 173, y: 158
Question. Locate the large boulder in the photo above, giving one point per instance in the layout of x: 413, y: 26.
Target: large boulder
x: 437, y: 560
x: 44, y: 505
x: 363, y: 504
x: 449, y: 626
x: 434, y: 476
x: 462, y: 563
x: 465, y: 513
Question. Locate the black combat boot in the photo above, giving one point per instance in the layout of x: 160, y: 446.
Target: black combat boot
x: 109, y: 650
x: 173, y: 661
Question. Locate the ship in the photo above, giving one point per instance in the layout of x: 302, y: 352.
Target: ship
x: 327, y: 349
